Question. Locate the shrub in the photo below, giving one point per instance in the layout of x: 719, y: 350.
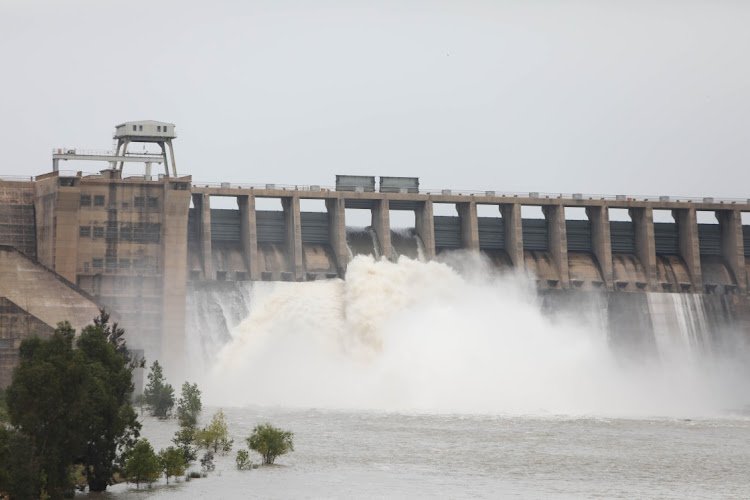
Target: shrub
x: 207, y: 462
x: 243, y: 460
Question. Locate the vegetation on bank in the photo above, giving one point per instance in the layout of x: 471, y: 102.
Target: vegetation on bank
x: 67, y: 420
x: 68, y: 405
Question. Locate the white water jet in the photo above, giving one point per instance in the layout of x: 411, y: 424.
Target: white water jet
x: 419, y: 336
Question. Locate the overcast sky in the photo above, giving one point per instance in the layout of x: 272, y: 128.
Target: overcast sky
x: 557, y: 96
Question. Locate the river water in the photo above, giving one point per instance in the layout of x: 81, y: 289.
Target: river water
x: 425, y: 379
x: 342, y: 454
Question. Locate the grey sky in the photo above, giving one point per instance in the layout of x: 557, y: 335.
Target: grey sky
x: 594, y: 97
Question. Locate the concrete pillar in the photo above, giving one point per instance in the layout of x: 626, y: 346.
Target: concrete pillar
x: 174, y: 224
x: 293, y: 224
x: 467, y: 212
x: 66, y: 232
x: 733, y: 245
x: 202, y: 203
x: 249, y: 235
x: 558, y: 240
x: 511, y: 214
x: 687, y: 227
x: 645, y: 245
x: 382, y: 224
x: 45, y: 199
x: 337, y: 232
x: 425, y: 226
x: 601, y: 242
x: 171, y: 156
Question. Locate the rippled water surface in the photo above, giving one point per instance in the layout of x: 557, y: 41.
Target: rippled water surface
x: 375, y: 455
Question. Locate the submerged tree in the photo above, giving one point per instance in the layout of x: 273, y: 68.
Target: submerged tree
x: 188, y: 409
x: 172, y: 462
x: 189, y: 406
x: 215, y: 436
x: 207, y: 462
x: 270, y: 442
x: 184, y: 440
x: 158, y: 394
x: 141, y: 464
x: 243, y: 460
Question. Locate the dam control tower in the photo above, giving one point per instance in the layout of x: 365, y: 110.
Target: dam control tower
x: 147, y: 131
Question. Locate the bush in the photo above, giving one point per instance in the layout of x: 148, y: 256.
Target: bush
x: 243, y: 460
x: 270, y: 442
x: 207, y: 462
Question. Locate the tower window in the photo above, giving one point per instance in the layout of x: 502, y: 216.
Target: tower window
x: 135, y: 129
x: 140, y: 128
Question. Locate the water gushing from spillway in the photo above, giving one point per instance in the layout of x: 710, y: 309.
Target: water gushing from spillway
x: 420, y: 336
x: 364, y: 241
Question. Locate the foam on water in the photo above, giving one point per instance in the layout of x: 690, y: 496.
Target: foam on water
x: 422, y: 336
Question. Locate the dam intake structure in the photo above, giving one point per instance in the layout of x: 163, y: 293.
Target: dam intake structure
x: 140, y: 245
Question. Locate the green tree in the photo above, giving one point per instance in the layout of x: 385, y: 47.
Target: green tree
x: 172, y: 462
x: 47, y: 401
x: 141, y: 464
x: 270, y: 442
x: 159, y: 395
x: 243, y: 460
x: 74, y: 405
x: 184, y: 439
x: 189, y: 406
x: 111, y: 423
x: 20, y: 476
x: 215, y: 436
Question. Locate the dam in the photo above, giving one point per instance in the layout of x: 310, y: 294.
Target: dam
x: 140, y: 245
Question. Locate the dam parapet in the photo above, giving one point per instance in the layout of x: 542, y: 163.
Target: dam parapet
x: 596, y: 253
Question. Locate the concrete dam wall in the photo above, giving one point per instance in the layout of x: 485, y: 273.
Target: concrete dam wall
x: 136, y: 245
x: 593, y: 254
